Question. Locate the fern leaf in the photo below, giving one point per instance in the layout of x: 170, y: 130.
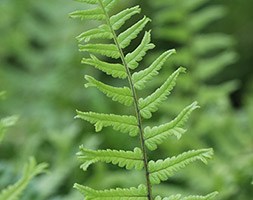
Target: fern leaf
x: 88, y: 1
x: 31, y: 169
x: 115, y: 70
x: 142, y: 77
x: 102, y: 32
x: 122, y: 123
x: 192, y: 197
x: 5, y: 123
x: 132, y: 193
x: 161, y: 170
x: 121, y: 95
x: 128, y: 159
x: 96, y: 14
x: 119, y: 19
x: 150, y: 104
x: 131, y: 33
x: 159, y: 134
x: 109, y: 4
x: 109, y: 50
x: 137, y: 55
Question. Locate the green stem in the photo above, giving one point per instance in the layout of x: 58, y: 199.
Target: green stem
x: 136, y: 106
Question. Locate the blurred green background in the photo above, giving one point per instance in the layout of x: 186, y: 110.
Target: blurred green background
x: 41, y: 73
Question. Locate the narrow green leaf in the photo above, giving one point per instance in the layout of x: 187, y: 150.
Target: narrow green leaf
x: 5, y: 123
x: 142, y: 77
x: 31, y: 169
x: 131, y: 33
x: 127, y: 159
x: 150, y: 104
x: 122, y: 123
x: 115, y: 70
x: 192, y: 197
x: 161, y: 170
x: 137, y: 55
x: 96, y: 14
x: 121, y: 95
x: 119, y: 19
x: 109, y: 4
x: 88, y: 1
x: 102, y: 32
x: 109, y: 50
x: 132, y: 193
x: 159, y: 134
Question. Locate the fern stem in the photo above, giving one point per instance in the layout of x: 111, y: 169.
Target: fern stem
x: 136, y: 106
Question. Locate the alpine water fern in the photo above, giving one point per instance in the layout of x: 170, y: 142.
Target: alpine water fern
x: 123, y: 67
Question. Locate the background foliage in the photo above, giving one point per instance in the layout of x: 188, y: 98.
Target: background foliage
x: 41, y: 73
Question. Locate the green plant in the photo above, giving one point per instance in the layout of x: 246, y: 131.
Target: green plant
x: 31, y: 169
x: 185, y: 24
x: 122, y: 67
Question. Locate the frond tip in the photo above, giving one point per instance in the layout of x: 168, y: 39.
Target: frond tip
x: 132, y: 193
x: 128, y: 159
x: 161, y: 170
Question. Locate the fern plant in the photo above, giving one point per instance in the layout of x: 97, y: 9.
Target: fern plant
x: 124, y: 67
x: 31, y: 169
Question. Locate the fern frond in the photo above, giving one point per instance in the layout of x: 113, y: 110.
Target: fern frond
x: 109, y: 4
x: 150, y: 104
x: 161, y: 170
x: 88, y: 1
x: 102, y: 32
x: 96, y: 14
x: 132, y: 193
x: 122, y: 123
x: 137, y: 55
x: 127, y: 159
x: 5, y: 123
x: 109, y: 50
x: 142, y: 77
x: 121, y: 95
x: 31, y: 169
x: 131, y: 33
x: 115, y: 70
x: 159, y: 134
x: 119, y: 19
x: 192, y: 197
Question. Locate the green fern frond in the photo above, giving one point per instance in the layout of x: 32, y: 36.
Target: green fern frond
x: 122, y: 123
x: 102, y: 32
x: 159, y: 134
x: 5, y: 123
x: 155, y: 172
x: 137, y: 55
x: 109, y: 50
x: 161, y: 170
x: 192, y: 197
x: 127, y: 159
x: 131, y: 33
x: 150, y: 104
x: 115, y: 70
x: 121, y: 95
x: 96, y: 14
x: 132, y: 193
x: 108, y: 4
x: 31, y: 169
x: 88, y: 1
x: 142, y: 77
x: 119, y: 19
